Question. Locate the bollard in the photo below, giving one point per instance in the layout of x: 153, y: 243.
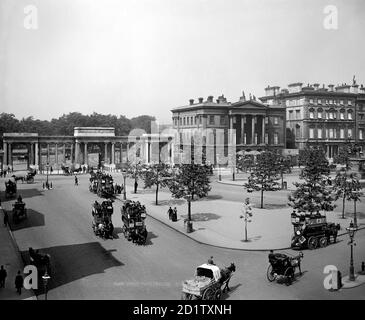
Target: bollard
x: 339, y: 280
x: 363, y: 266
x: 189, y: 227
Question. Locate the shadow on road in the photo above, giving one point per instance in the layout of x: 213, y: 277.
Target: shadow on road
x: 73, y: 262
x: 150, y: 236
x: 232, y: 289
x: 34, y: 219
x: 171, y: 203
x: 202, y: 216
x: 29, y: 193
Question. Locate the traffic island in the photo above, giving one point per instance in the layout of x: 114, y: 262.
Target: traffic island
x: 348, y: 284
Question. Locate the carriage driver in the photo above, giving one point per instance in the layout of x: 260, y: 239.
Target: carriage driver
x: 20, y: 200
x: 210, y: 260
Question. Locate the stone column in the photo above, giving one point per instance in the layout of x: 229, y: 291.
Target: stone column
x: 77, y: 152
x: 243, y: 121
x: 105, y: 152
x: 10, y: 162
x: 263, y: 130
x: 231, y: 129
x: 56, y: 155
x: 72, y: 152
x: 31, y: 160
x: 47, y: 153
x: 253, y: 130
x: 5, y: 148
x: 113, y: 153
x: 36, y: 155
x: 127, y: 151
x: 85, y: 154
x: 64, y: 153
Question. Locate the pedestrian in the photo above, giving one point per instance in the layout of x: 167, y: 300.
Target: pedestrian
x: 19, y: 283
x: 174, y: 214
x: 3, y: 276
x: 170, y: 212
x: 76, y: 181
x: 135, y: 186
x: 51, y: 169
x: 6, y: 219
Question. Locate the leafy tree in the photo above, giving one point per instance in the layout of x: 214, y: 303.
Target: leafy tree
x: 343, y: 156
x: 264, y: 175
x: 284, y: 166
x: 314, y: 194
x: 190, y: 179
x: 142, y: 122
x: 244, y: 162
x: 347, y: 187
x: 156, y: 175
x: 134, y: 170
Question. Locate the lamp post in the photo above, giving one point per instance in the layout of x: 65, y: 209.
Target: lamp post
x: 189, y: 224
x: 351, y: 231
x: 45, y: 278
x: 247, y: 213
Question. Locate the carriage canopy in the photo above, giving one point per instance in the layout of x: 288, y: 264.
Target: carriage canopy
x: 209, y: 270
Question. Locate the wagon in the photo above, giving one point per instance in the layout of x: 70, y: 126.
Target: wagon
x: 133, y: 218
x: 207, y: 283
x: 312, y: 231
x: 282, y: 266
x: 102, y: 222
x: 10, y: 188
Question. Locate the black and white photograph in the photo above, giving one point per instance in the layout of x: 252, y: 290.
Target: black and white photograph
x: 195, y: 152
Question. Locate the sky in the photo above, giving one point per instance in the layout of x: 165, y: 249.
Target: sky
x: 134, y: 57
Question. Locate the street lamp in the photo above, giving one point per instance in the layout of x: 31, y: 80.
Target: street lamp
x: 351, y: 231
x: 45, y: 278
x: 248, y: 213
x: 189, y: 224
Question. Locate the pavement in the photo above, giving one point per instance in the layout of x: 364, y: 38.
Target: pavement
x: 87, y: 267
x: 11, y: 260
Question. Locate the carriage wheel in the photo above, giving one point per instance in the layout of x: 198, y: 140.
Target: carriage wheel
x: 208, y: 294
x: 186, y: 296
x: 323, y: 242
x: 312, y: 243
x: 271, y: 276
x: 218, y: 294
x: 289, y: 276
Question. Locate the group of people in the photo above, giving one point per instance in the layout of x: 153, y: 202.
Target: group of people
x: 18, y: 280
x: 172, y: 214
x: 133, y: 208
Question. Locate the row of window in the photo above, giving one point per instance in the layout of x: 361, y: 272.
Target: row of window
x: 331, y: 114
x: 194, y: 120
x: 332, y: 133
x: 302, y: 101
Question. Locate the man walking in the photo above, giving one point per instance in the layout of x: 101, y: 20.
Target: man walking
x: 19, y: 283
x: 3, y: 275
x: 6, y: 218
x: 76, y: 181
x: 170, y: 212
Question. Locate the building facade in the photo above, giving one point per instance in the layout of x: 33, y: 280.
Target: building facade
x: 89, y: 146
x: 329, y: 116
x: 257, y: 126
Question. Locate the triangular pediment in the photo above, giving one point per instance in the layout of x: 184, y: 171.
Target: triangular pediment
x: 250, y: 104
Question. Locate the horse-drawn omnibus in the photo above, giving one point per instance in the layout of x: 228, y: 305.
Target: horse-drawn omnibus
x: 102, y: 219
x: 133, y: 218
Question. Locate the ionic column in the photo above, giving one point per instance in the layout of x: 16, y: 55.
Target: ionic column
x: 85, y: 154
x: 243, y: 121
x: 105, y: 152
x: 113, y: 153
x: 77, y: 152
x: 36, y: 155
x: 72, y: 152
x: 253, y: 130
x: 5, y: 148
x: 56, y: 154
x: 127, y: 151
x: 231, y: 129
x: 47, y: 153
x: 10, y: 156
x: 263, y: 130
x: 64, y: 153
x: 31, y: 160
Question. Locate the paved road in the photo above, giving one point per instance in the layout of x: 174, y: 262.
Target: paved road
x: 85, y: 267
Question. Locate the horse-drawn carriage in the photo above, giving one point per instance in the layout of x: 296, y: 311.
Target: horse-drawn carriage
x: 19, y: 211
x: 10, y: 188
x: 282, y: 266
x: 27, y: 176
x: 41, y: 261
x: 133, y: 218
x: 312, y: 231
x: 207, y: 283
x: 102, y: 219
x: 103, y: 184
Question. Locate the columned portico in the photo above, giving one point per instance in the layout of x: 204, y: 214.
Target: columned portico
x: 253, y: 129
x: 105, y: 152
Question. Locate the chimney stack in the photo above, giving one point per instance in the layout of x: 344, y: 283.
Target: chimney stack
x: 191, y: 101
x: 210, y: 99
x: 201, y: 100
x: 316, y: 86
x: 331, y: 86
x: 243, y: 97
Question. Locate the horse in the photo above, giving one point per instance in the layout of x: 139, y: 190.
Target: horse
x: 295, y: 261
x: 226, y: 275
x: 39, y: 259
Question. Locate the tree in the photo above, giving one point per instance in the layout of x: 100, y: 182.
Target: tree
x: 314, y: 194
x: 244, y: 162
x: 190, y: 179
x: 343, y: 157
x: 156, y: 175
x: 347, y: 187
x: 264, y: 175
x: 143, y: 122
x: 284, y: 166
x: 134, y: 170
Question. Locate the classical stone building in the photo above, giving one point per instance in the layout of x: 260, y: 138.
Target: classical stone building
x: 257, y: 126
x: 330, y: 116
x: 88, y: 146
